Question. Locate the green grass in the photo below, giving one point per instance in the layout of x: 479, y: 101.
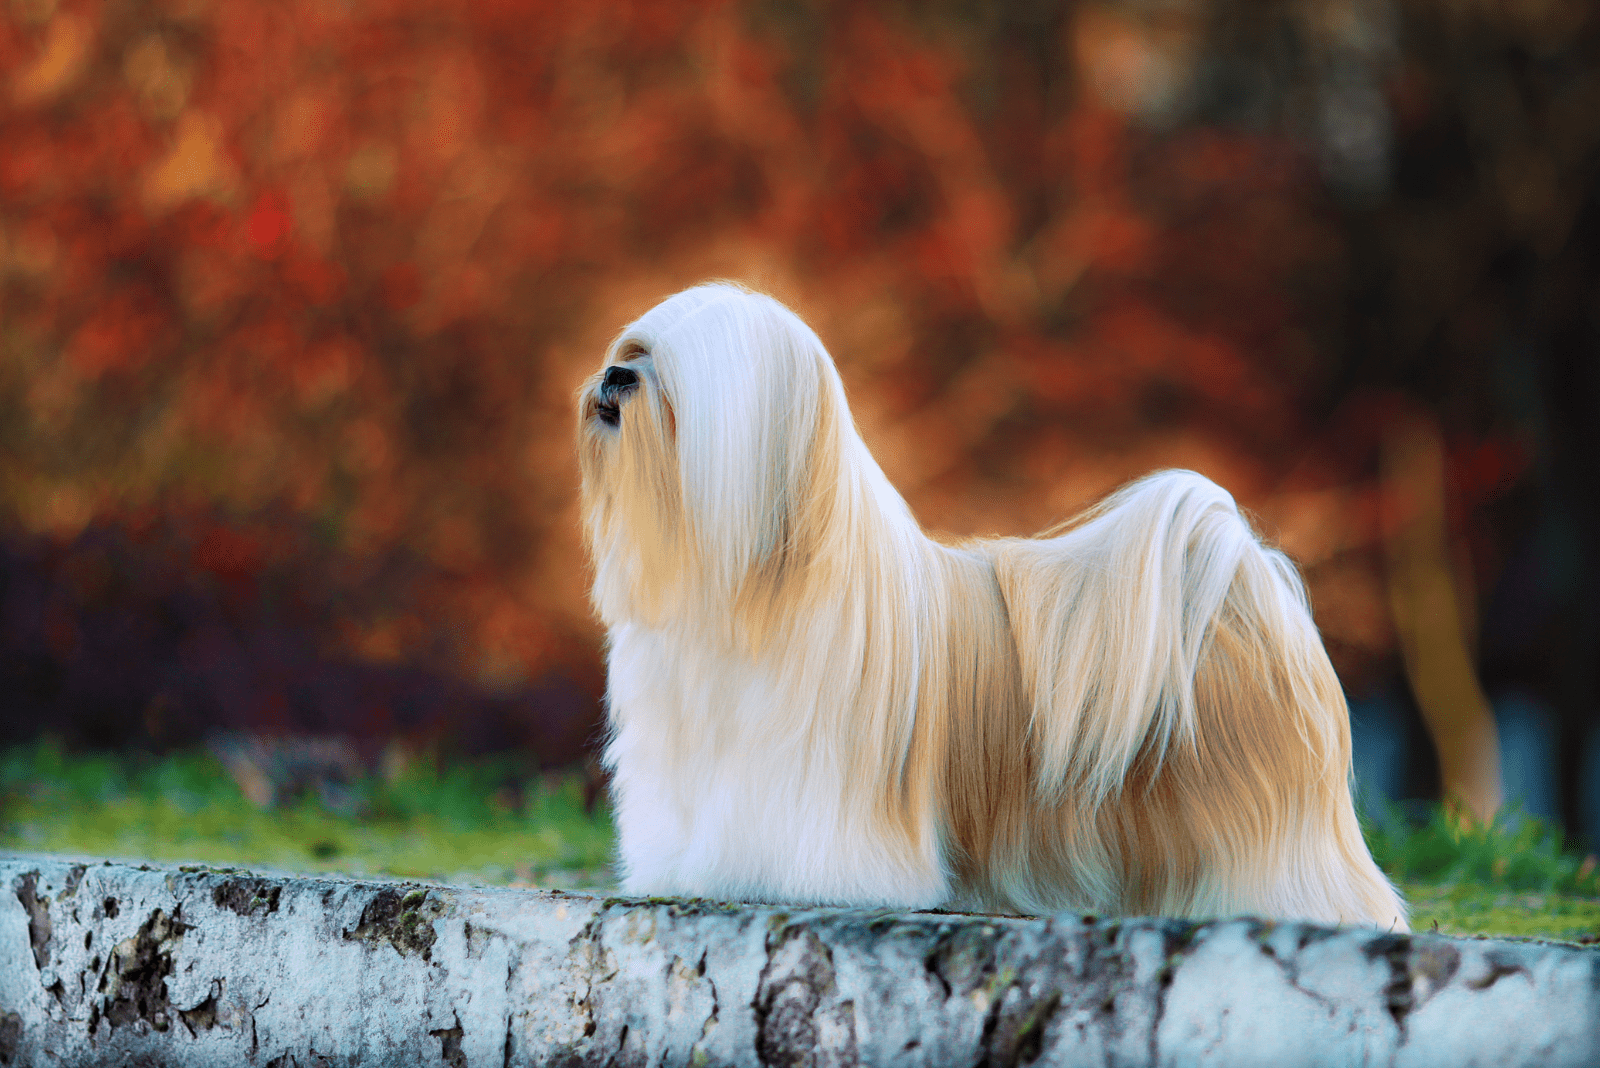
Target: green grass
x: 1513, y: 878
x: 500, y: 823
x: 486, y: 822
x: 1498, y: 912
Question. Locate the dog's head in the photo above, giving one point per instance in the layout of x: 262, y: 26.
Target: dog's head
x: 711, y: 443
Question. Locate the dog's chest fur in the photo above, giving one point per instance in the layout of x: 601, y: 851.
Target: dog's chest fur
x: 814, y: 779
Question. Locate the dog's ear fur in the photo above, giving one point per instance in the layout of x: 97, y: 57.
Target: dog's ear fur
x: 749, y: 383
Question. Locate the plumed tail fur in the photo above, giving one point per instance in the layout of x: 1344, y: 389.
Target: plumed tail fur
x: 1123, y: 601
x: 1186, y: 719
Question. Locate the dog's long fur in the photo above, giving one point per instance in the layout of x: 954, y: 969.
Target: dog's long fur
x: 812, y: 701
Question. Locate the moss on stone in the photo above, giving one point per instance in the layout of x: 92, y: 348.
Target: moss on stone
x: 1491, y: 911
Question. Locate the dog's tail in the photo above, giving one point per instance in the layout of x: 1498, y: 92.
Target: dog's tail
x: 1128, y: 594
x: 1168, y: 653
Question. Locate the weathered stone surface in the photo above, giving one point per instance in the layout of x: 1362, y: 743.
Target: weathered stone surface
x: 109, y: 964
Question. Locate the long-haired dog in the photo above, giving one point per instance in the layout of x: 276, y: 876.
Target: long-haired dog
x: 812, y: 701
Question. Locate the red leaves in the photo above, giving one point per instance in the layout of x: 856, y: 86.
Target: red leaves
x: 269, y: 225
x: 314, y: 281
x: 122, y: 334
x: 324, y: 370
x: 355, y: 257
x: 402, y: 286
x: 228, y: 553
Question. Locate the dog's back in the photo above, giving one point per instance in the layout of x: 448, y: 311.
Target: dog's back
x: 1185, y: 724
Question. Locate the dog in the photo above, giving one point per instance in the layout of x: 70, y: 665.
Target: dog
x: 810, y: 700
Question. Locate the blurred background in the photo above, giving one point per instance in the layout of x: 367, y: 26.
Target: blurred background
x: 295, y: 296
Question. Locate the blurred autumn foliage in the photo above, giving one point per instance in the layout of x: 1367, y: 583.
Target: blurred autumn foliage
x: 294, y: 297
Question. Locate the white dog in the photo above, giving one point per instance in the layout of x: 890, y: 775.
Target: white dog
x: 811, y: 701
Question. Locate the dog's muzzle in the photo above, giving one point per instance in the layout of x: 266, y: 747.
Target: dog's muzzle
x: 615, y: 387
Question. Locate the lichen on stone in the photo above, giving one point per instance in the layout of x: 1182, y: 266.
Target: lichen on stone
x: 246, y: 897
x: 134, y: 985
x: 401, y: 917
x: 38, y: 909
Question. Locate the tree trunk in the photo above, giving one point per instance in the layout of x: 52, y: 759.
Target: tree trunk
x: 110, y: 964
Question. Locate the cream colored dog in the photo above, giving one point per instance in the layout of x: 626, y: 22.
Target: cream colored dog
x: 812, y: 701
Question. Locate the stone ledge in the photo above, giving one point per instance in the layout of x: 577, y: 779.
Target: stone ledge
x: 112, y: 964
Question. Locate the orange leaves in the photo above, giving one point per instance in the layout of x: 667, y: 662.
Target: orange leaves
x: 159, y: 78
x: 60, y: 60
x: 349, y: 260
x: 370, y: 171
x: 122, y: 335
x: 303, y: 126
x: 325, y: 370
x: 1109, y: 238
x: 446, y: 114
x: 197, y: 164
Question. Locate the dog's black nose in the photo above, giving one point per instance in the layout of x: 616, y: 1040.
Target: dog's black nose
x: 617, y: 382
x: 619, y: 377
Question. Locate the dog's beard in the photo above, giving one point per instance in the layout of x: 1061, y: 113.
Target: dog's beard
x: 810, y: 700
x: 631, y: 499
